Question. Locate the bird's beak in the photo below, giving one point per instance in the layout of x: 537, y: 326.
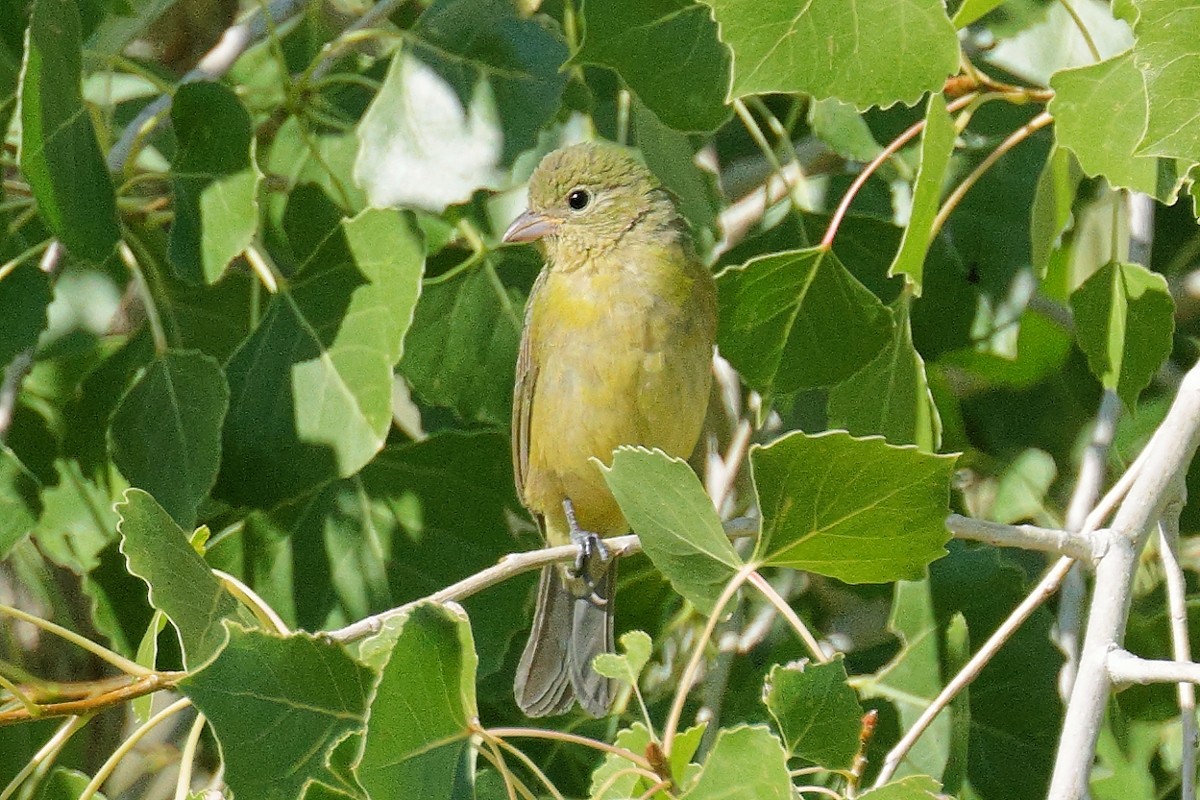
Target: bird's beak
x: 529, y: 227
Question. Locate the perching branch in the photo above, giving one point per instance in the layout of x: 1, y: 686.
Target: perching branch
x: 509, y: 566
x: 1085, y: 547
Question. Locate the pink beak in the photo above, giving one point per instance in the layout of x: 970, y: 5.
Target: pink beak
x: 530, y: 227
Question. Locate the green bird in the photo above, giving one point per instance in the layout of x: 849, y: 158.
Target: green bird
x: 617, y: 350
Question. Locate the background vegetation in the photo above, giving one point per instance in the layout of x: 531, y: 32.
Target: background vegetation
x: 260, y: 338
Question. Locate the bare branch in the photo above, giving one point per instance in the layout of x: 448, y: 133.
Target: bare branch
x: 1124, y: 669
x: 1168, y: 531
x: 1166, y: 457
x: 1085, y: 547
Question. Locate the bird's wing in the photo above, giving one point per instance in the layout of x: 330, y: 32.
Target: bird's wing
x: 523, y: 393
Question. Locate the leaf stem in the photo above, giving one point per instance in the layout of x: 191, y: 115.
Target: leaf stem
x: 892, y: 148
x: 693, y: 666
x: 568, y: 738
x: 810, y: 641
x: 1015, y: 138
x: 100, y: 651
x: 46, y: 755
x: 126, y: 746
x: 157, y: 332
x: 1083, y: 31
x: 250, y: 599
x: 527, y: 761
x: 187, y: 757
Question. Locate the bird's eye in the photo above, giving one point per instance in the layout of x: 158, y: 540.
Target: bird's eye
x: 578, y: 199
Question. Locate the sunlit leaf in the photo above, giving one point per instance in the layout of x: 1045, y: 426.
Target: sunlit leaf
x: 745, y: 763
x: 181, y: 584
x: 419, y: 722
x: 864, y: 52
x: 817, y: 713
x: 937, y: 145
x: 305, y: 694
x: 1166, y: 54
x: 59, y: 155
x: 679, y: 528
x: 859, y: 510
x: 215, y: 181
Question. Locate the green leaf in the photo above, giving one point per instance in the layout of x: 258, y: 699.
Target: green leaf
x: 937, y: 145
x: 863, y: 52
x: 671, y: 156
x: 278, y: 706
x: 1166, y: 54
x: 77, y: 520
x: 972, y: 10
x: 627, y: 666
x: 311, y: 388
x: 914, y: 787
x: 1099, y: 115
x: 59, y: 155
x: 181, y: 584
x: 1021, y: 489
x: 24, y: 295
x: 166, y: 432
x: 119, y: 608
x: 147, y: 656
x: 816, y: 711
x: 859, y: 510
x: 484, y: 79
x: 1052, y: 201
x: 1124, y: 322
x: 215, y: 181
x: 462, y: 349
x: 842, y: 128
x: 798, y: 319
x: 450, y: 494
x: 20, y: 501
x: 746, y: 763
x: 912, y: 678
x: 890, y: 396
x: 630, y: 784
x: 1013, y: 733
x: 958, y: 654
x: 423, y: 711
x: 667, y: 51
x: 679, y: 529
x: 64, y: 784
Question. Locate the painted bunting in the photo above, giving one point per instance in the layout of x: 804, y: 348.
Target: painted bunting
x: 617, y: 350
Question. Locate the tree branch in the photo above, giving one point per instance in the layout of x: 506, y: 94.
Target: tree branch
x: 509, y: 566
x: 1085, y: 547
x: 1167, y: 456
x: 129, y: 691
x: 1124, y: 669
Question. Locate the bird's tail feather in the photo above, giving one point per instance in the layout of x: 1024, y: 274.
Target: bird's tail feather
x: 568, y: 632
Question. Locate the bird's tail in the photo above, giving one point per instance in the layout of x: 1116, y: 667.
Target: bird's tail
x: 568, y: 632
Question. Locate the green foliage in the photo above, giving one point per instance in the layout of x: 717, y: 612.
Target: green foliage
x: 1126, y: 317
x: 258, y: 335
x: 675, y: 520
x: 819, y: 516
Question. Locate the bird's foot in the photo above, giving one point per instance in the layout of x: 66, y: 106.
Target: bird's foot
x: 592, y: 561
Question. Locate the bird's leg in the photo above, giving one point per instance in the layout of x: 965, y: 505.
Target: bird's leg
x: 593, y: 558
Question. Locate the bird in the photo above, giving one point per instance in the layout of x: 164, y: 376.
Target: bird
x: 616, y: 349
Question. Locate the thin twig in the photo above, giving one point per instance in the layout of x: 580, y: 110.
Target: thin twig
x: 106, y: 770
x: 1181, y: 649
x: 569, y: 738
x: 810, y: 641
x: 904, y: 138
x: 132, y: 690
x: 509, y: 566
x: 1015, y: 138
x: 1083, y: 31
x: 1124, y: 669
x: 1087, y: 489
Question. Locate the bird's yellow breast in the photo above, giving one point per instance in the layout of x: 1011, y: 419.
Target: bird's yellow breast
x: 622, y: 354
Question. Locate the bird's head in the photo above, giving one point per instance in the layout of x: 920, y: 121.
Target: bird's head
x: 590, y: 197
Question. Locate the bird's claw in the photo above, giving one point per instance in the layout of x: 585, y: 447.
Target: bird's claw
x: 592, y: 561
